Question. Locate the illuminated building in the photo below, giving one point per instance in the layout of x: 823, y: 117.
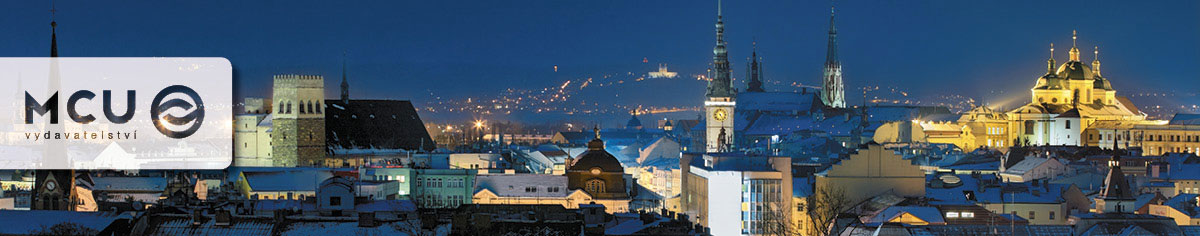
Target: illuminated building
x: 600, y: 175
x: 1179, y: 135
x: 720, y: 95
x: 663, y: 72
x: 298, y: 127
x: 833, y: 92
x: 735, y: 193
x: 873, y: 171
x: 1066, y: 100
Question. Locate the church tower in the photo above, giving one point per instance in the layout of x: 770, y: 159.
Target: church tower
x: 833, y: 92
x: 720, y: 96
x: 755, y: 72
x: 345, y: 82
x: 1117, y: 196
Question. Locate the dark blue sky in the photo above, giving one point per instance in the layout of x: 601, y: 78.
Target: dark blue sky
x: 407, y: 49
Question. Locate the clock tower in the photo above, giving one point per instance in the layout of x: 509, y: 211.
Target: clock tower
x: 719, y: 98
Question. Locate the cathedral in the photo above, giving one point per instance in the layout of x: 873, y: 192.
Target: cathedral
x: 1067, y: 98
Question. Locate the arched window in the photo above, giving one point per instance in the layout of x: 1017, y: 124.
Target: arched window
x: 318, y: 107
x: 594, y: 186
x: 310, y: 107
x: 301, y: 108
x: 289, y: 107
x: 280, y: 107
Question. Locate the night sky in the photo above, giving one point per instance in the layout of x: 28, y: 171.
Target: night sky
x: 409, y: 49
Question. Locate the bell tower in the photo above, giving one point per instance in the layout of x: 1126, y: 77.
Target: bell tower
x: 719, y: 99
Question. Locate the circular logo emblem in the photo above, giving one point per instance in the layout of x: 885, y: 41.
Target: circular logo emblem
x: 195, y: 117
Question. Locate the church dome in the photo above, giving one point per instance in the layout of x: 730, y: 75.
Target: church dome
x: 597, y: 157
x: 1050, y: 81
x: 634, y: 123
x: 1075, y: 70
x: 1102, y: 83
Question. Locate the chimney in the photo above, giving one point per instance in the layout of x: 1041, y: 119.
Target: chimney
x: 366, y: 219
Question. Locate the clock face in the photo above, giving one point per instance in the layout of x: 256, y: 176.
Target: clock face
x: 720, y: 115
x: 50, y: 185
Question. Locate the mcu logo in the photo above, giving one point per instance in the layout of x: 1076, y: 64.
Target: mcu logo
x: 180, y: 126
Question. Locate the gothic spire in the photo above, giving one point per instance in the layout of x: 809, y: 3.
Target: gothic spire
x: 53, y: 32
x: 721, y: 84
x: 833, y: 92
x: 831, y: 57
x: 755, y: 84
x: 345, y: 82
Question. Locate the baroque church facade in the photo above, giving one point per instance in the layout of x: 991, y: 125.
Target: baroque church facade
x: 1065, y: 100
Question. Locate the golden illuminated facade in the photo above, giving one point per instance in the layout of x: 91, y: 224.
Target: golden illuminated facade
x: 1064, y: 104
x: 1066, y: 100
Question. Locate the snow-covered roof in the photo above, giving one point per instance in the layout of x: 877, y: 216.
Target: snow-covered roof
x: 1185, y: 119
x: 33, y: 221
x: 1184, y: 203
x: 140, y: 184
x: 926, y: 213
x: 733, y: 162
x: 775, y: 101
x: 1026, y: 165
x: 294, y: 180
x: 516, y: 185
x: 386, y: 206
x: 908, y: 113
x: 988, y: 189
x: 777, y: 124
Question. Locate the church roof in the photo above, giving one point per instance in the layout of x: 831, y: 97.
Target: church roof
x: 1115, y: 185
x: 1075, y: 70
x: 633, y: 122
x: 375, y: 124
x: 596, y: 156
x: 1073, y: 113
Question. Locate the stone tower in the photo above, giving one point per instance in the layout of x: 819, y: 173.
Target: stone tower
x: 833, y: 91
x: 298, y: 126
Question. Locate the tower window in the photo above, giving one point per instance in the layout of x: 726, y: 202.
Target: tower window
x: 1068, y: 124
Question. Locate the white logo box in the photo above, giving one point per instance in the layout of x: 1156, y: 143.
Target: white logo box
x: 137, y: 143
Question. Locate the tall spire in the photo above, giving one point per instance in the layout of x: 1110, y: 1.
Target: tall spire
x: 1074, y: 53
x: 833, y: 92
x: 1096, y: 62
x: 721, y: 84
x: 345, y: 82
x: 755, y: 84
x: 53, y: 31
x: 831, y: 50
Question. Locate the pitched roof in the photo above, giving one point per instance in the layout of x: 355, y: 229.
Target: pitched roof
x: 515, y: 185
x: 129, y: 184
x: 375, y: 124
x: 928, y: 214
x: 1185, y: 119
